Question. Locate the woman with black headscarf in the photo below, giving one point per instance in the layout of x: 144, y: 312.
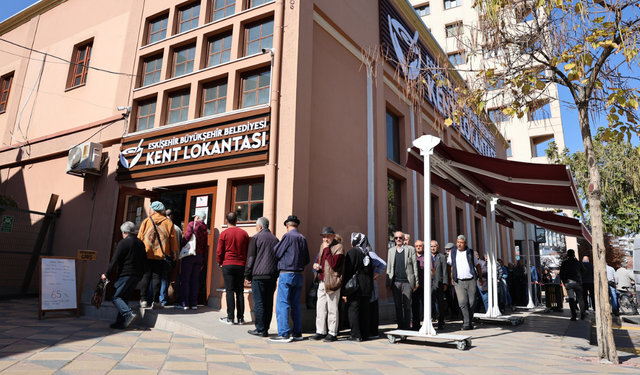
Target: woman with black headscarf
x: 358, y: 262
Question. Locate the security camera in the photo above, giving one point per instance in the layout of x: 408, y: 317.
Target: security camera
x: 269, y: 50
x: 124, y: 109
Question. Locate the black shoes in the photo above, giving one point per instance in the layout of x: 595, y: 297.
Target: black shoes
x: 317, y: 337
x: 583, y: 315
x: 468, y: 328
x: 116, y: 325
x: 440, y: 326
x: 573, y: 318
x: 355, y: 339
x: 330, y: 338
x: 129, y: 320
x: 258, y: 333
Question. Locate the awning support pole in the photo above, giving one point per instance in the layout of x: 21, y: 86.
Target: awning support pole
x: 426, y: 144
x: 527, y: 266
x: 494, y: 310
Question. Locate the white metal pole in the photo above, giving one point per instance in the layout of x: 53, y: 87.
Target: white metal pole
x: 530, y: 305
x: 494, y: 310
x: 426, y: 143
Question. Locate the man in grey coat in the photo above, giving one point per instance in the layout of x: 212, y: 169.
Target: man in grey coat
x: 402, y: 278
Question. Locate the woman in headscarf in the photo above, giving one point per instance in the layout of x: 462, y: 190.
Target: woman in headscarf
x: 358, y: 262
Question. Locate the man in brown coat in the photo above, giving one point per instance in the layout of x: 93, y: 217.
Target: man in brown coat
x: 330, y: 268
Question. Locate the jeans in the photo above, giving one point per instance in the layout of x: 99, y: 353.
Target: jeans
x: 289, y: 291
x: 485, y: 299
x: 466, y: 292
x: 122, y: 290
x: 574, y: 295
x: 402, y: 299
x: 189, y: 277
x: 437, y: 303
x: 614, y: 298
x: 263, y: 290
x: 154, y: 272
x: 164, y: 286
x: 233, y: 277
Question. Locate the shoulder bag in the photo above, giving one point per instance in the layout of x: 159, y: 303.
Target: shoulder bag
x: 168, y: 262
x: 352, y: 285
x: 190, y: 248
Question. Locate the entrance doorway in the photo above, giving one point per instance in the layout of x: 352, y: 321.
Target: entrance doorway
x: 184, y: 201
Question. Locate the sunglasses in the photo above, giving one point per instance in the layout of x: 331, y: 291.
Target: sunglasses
x: 399, y: 238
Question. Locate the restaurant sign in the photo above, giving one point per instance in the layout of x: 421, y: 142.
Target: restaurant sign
x: 196, y: 147
x: 403, y: 45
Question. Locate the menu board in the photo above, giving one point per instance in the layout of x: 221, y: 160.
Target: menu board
x: 58, y: 284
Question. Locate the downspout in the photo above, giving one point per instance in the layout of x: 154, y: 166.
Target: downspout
x: 271, y: 173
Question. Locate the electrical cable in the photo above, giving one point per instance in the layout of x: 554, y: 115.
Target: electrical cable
x: 68, y: 61
x: 26, y: 102
x: 102, y: 127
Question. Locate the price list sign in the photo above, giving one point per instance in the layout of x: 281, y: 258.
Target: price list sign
x: 58, y: 284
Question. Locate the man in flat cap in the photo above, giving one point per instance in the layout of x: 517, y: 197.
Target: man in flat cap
x: 292, y: 253
x: 330, y: 268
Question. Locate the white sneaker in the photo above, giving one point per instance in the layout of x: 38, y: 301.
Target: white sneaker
x: 192, y: 308
x: 226, y: 320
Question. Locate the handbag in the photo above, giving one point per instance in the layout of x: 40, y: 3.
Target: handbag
x: 352, y: 285
x: 168, y: 263
x: 190, y: 248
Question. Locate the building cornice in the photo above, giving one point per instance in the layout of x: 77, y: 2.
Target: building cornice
x: 27, y: 14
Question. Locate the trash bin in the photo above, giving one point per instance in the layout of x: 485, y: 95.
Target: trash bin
x: 553, y: 295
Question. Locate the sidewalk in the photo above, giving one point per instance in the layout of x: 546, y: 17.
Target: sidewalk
x: 60, y: 344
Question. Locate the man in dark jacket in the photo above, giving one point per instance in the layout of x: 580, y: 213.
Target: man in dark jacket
x: 358, y: 262
x: 465, y: 270
x: 571, y: 272
x: 262, y: 272
x: 439, y: 279
x: 587, y: 284
x: 292, y: 254
x: 131, y: 257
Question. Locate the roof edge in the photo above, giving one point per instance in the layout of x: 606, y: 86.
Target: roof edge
x: 27, y: 14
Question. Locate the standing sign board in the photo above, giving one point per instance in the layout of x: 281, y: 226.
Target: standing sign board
x: 57, y: 284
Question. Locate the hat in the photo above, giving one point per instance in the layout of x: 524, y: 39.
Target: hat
x: 201, y: 214
x: 327, y: 230
x: 157, y: 206
x: 449, y: 246
x: 293, y: 218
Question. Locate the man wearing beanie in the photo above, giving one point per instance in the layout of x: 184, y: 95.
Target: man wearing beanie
x: 159, y: 237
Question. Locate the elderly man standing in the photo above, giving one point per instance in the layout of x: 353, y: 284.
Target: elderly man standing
x: 130, y: 256
x: 439, y: 280
x: 402, y: 273
x: 292, y: 254
x: 417, y: 297
x: 330, y: 270
x: 465, y: 270
x: 159, y: 237
x: 232, y: 256
x: 262, y: 272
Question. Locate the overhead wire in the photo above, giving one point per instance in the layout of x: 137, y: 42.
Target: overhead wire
x: 68, y: 61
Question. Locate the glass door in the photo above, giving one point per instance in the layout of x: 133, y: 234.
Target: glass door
x: 203, y: 200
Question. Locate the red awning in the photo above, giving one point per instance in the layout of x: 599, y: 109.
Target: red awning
x: 543, y: 185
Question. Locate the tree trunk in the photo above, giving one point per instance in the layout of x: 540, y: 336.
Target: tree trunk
x: 606, y: 344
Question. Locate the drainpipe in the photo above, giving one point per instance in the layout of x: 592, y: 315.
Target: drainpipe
x: 271, y: 173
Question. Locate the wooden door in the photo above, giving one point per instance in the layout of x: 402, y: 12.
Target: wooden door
x: 203, y: 199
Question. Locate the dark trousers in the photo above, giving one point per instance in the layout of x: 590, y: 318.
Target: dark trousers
x: 189, y: 277
x: 452, y: 301
x: 437, y: 296
x: 262, y: 291
x: 154, y: 272
x: 402, y: 299
x: 358, y: 313
x: 574, y: 295
x: 588, y: 287
x: 233, y: 277
x: 122, y: 290
x: 417, y: 305
x: 466, y: 292
x: 375, y: 319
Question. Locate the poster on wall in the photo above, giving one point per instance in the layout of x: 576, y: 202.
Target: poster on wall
x: 202, y: 201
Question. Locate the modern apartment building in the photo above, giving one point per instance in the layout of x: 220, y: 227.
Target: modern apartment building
x: 264, y: 108
x: 454, y: 24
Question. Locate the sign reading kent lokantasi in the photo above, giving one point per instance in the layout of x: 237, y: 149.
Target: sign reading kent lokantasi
x: 404, y: 46
x: 196, y: 147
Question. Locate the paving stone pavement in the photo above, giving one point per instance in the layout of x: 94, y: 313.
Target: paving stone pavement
x: 62, y: 344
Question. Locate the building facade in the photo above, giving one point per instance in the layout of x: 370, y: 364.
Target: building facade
x: 264, y: 108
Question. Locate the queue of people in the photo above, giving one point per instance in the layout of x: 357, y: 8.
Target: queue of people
x: 344, y: 277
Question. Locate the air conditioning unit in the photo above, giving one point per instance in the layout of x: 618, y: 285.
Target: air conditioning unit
x: 84, y: 158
